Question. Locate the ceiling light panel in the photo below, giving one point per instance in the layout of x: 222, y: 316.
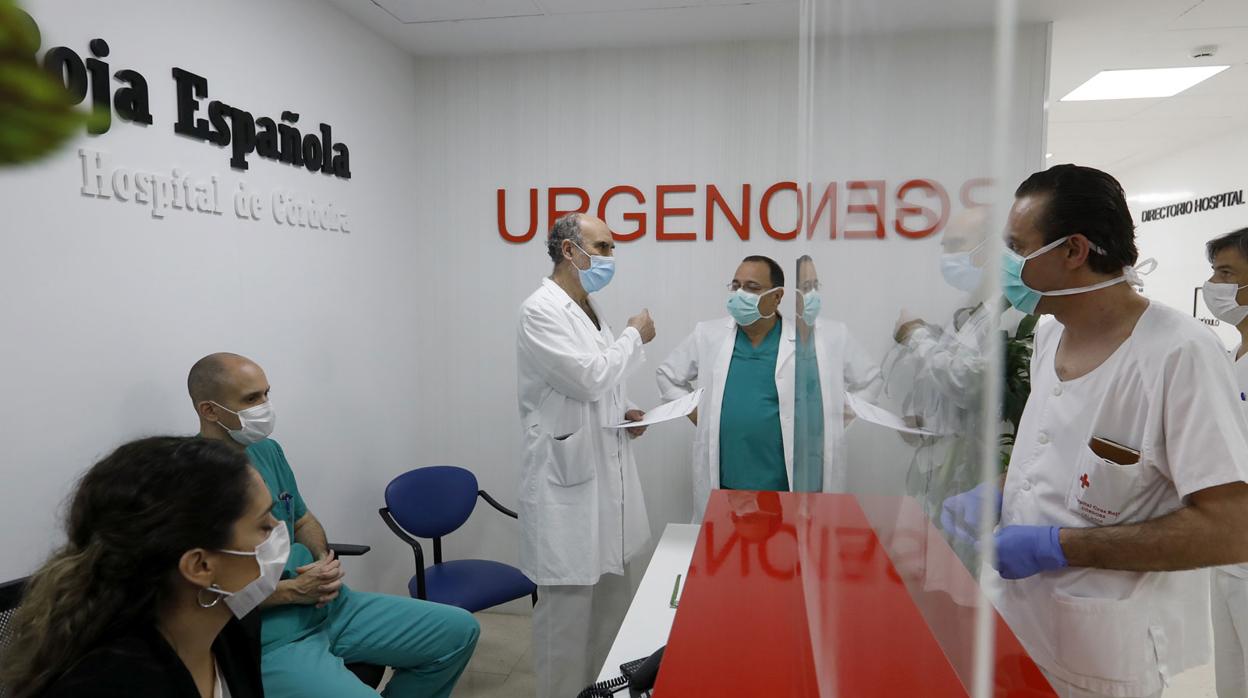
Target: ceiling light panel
x: 1141, y: 83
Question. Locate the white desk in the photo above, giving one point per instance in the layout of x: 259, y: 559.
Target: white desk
x: 650, y: 616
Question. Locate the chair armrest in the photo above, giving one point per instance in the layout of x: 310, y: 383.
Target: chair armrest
x: 403, y: 536
x: 490, y: 500
x: 348, y: 549
x: 417, y: 551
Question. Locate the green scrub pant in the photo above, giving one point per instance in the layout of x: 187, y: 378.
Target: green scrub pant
x: 427, y: 644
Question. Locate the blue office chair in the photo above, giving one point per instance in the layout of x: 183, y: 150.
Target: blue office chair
x: 431, y: 503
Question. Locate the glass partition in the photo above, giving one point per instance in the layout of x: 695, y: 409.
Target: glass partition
x: 915, y: 123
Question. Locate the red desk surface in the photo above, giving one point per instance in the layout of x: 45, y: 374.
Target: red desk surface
x: 794, y: 594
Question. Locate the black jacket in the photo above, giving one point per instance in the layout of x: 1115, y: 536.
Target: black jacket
x: 141, y: 663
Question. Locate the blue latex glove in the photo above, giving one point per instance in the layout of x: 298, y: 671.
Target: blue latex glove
x: 960, y: 514
x: 1026, y: 550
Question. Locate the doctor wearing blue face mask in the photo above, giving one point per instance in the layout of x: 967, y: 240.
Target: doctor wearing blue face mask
x: 744, y: 435
x: 829, y: 363
x: 949, y: 360
x: 963, y: 259
x: 1129, y: 466
x: 582, y: 516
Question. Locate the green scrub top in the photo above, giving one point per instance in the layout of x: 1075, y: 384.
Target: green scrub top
x: 751, y: 443
x: 807, y: 420
x: 284, y: 624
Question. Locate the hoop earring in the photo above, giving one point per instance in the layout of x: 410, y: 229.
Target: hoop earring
x: 216, y: 598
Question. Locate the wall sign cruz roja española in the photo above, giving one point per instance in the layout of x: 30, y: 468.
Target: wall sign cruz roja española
x: 223, y: 125
x: 228, y: 125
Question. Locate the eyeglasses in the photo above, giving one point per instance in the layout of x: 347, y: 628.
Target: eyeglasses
x: 749, y: 286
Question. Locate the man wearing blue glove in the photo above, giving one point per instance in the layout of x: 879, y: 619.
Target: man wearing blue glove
x: 1130, y: 465
x: 1028, y: 549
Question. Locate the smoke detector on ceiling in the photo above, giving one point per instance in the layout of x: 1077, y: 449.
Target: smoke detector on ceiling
x: 1204, y: 52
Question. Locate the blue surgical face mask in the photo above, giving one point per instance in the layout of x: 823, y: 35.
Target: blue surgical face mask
x: 599, y: 273
x: 1025, y: 298
x: 743, y: 306
x: 960, y: 272
x: 811, y: 304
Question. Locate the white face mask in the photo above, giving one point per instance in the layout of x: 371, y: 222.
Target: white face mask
x: 256, y: 423
x: 271, y: 556
x: 1220, y: 299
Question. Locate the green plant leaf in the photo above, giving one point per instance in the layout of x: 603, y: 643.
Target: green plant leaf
x: 37, y: 115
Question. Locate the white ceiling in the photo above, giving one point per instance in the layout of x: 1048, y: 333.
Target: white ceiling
x: 1088, y: 36
x: 1118, y: 135
x: 463, y: 27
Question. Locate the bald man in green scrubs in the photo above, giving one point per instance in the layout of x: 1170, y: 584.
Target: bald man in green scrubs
x: 313, y: 623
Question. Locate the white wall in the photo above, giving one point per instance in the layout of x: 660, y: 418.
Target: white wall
x: 1178, y: 243
x: 393, y: 346
x: 106, y: 307
x: 592, y: 119
x: 721, y: 114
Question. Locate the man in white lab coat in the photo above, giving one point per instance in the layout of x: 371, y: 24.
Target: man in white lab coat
x: 582, y: 516
x: 745, y: 362
x: 1226, y: 295
x: 949, y: 364
x: 1128, y: 471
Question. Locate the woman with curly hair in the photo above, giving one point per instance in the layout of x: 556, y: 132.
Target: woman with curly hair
x: 170, y: 543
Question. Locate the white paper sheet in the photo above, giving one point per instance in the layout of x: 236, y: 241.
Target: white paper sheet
x: 675, y: 409
x: 879, y: 415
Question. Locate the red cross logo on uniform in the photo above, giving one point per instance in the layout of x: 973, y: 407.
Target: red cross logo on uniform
x: 1084, y: 482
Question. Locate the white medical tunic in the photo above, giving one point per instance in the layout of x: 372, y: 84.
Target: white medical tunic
x: 1241, y: 394
x: 1163, y: 393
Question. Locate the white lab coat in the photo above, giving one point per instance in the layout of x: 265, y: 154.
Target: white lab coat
x: 1163, y: 393
x: 581, y: 508
x: 949, y: 365
x: 844, y: 367
x: 1229, y: 597
x: 705, y: 357
x: 1240, y: 389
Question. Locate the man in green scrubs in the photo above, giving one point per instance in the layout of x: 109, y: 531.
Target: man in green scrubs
x: 751, y: 444
x: 744, y: 365
x: 313, y: 623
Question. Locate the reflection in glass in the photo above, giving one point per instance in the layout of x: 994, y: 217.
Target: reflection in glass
x: 947, y: 357
x: 828, y: 362
x: 904, y: 125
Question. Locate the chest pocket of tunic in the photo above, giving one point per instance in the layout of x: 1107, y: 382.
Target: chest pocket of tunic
x: 1101, y: 491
